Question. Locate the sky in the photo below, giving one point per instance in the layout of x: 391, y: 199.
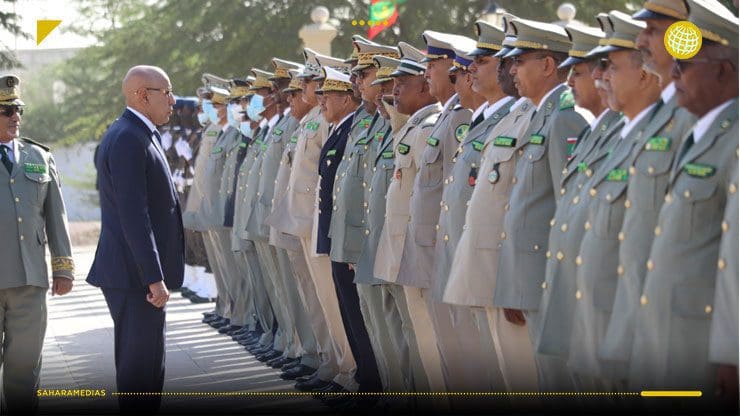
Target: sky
x: 32, y: 10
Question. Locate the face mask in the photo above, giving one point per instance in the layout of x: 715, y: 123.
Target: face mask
x: 233, y: 115
x: 203, y: 118
x: 256, y: 106
x: 210, y: 110
x: 245, y: 128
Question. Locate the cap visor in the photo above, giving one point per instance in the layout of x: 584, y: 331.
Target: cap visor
x: 572, y: 60
x: 359, y: 67
x: 379, y: 81
x: 596, y: 52
x: 645, y: 14
x: 516, y: 52
x: 482, y: 52
x: 503, y: 52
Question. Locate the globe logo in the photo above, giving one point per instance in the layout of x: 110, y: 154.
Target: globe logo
x: 682, y: 40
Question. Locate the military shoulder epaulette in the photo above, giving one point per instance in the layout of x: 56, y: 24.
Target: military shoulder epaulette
x: 27, y: 140
x: 566, y: 100
x: 458, y: 107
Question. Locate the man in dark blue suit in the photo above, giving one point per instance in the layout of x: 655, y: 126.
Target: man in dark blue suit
x: 141, y: 250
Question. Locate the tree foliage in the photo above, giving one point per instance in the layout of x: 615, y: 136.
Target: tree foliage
x: 9, y: 23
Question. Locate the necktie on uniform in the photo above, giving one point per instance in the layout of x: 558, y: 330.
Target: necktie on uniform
x: 658, y: 105
x: 686, y: 146
x: 477, y: 120
x: 5, y: 158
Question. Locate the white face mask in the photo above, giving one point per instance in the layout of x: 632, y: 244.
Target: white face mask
x: 245, y: 128
x: 234, y: 115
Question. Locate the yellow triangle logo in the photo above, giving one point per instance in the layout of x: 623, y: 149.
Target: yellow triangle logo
x: 43, y: 28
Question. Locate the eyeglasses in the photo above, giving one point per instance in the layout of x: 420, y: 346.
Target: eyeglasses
x: 165, y: 91
x: 453, y: 78
x: 519, y: 60
x: 8, y: 111
x: 681, y: 64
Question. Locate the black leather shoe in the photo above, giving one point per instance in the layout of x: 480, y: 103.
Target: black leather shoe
x: 291, y: 365
x: 221, y: 323
x: 311, y: 385
x: 197, y: 299
x: 251, y: 342
x: 260, y: 349
x: 331, y: 388
x: 241, y: 332
x: 209, y: 313
x: 210, y: 318
x: 280, y: 362
x: 269, y: 356
x: 185, y: 292
x: 297, y: 371
x: 246, y: 338
x: 228, y: 328
x: 306, y: 378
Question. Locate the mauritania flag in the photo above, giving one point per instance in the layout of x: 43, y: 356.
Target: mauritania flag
x: 383, y: 14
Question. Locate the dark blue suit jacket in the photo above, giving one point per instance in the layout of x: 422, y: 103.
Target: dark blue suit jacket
x: 141, y: 239
x: 331, y: 155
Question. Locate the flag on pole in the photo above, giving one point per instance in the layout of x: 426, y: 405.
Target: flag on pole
x: 383, y: 14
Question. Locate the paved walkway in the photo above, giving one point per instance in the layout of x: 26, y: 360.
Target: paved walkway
x: 78, y: 354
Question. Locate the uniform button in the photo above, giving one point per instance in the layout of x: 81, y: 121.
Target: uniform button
x: 436, y: 227
x: 446, y: 208
x: 564, y: 227
x: 467, y: 204
x: 369, y: 189
x: 364, y: 204
x: 587, y: 226
x: 544, y: 285
x: 576, y: 199
x: 668, y: 198
x: 592, y: 192
x: 447, y: 181
x: 375, y: 168
x: 589, y: 173
x: 275, y: 182
x: 22, y: 237
x: 651, y: 170
x: 454, y: 160
x: 725, y: 225
x: 367, y: 232
x: 536, y: 247
x: 452, y: 179
x: 529, y: 157
x: 447, y: 237
x: 17, y: 199
x: 620, y: 236
x: 441, y: 203
x: 552, y: 222
x: 513, y: 180
x: 308, y: 189
x: 650, y: 265
x: 12, y: 181
x: 657, y: 230
x: 708, y: 309
x: 579, y: 295
x: 608, y: 197
x: 579, y: 260
x: 20, y: 219
x: 364, y: 184
x: 560, y: 256
x: 580, y: 186
x: 643, y: 300
x: 627, y: 203
x: 507, y: 207
x: 499, y: 245
x: 687, y: 194
x: 633, y: 170
x: 367, y: 210
x: 565, y: 171
x: 548, y: 254
x: 620, y: 270
x: 334, y: 197
x: 733, y: 188
x: 364, y: 165
x: 562, y: 191
x: 503, y: 235
x: 335, y: 207
x: 721, y: 264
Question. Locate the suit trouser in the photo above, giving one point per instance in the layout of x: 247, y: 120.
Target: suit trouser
x: 359, y: 340
x: 307, y: 310
x: 552, y: 371
x: 270, y: 274
x: 514, y: 351
x: 262, y: 305
x: 426, y: 339
x: 244, y: 297
x: 218, y: 274
x: 294, y: 309
x: 384, y: 338
x: 320, y: 269
x: 139, y: 329
x: 23, y: 326
x: 397, y: 317
x: 460, y: 347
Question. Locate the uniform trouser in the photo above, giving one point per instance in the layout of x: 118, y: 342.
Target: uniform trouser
x: 23, y: 326
x: 494, y: 375
x: 354, y: 325
x: 295, y: 310
x: 320, y: 268
x: 221, y: 301
x: 221, y: 238
x: 426, y: 339
x: 268, y: 263
x: 262, y: 305
x: 397, y: 319
x: 552, y: 371
x: 139, y: 339
x: 244, y: 296
x: 460, y: 347
x: 384, y: 338
x: 309, y: 317
x: 514, y: 351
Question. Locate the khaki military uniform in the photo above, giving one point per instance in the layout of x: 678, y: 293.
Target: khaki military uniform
x: 521, y: 268
x: 671, y: 345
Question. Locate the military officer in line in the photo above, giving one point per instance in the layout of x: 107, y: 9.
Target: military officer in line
x: 539, y: 49
x: 34, y: 215
x: 489, y: 159
x: 391, y: 321
x: 349, y: 222
x: 298, y: 213
x: 411, y: 96
x: 676, y: 303
x: 339, y: 107
x: 648, y: 180
x: 585, y: 79
x: 633, y: 91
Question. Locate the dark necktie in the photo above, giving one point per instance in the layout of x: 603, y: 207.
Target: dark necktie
x: 5, y: 158
x: 658, y: 105
x: 477, y: 120
x: 686, y: 146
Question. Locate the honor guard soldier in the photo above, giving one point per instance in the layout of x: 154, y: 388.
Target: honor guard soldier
x: 648, y: 179
x: 672, y: 333
x: 542, y: 153
x: 34, y: 216
x: 591, y: 149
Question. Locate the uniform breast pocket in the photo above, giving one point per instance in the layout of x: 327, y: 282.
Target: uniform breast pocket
x: 39, y: 186
x: 356, y: 159
x: 403, y: 168
x: 534, y: 156
x: 692, y: 301
x: 388, y: 169
x: 432, y: 170
x: 701, y: 209
x: 651, y: 181
x: 607, y: 210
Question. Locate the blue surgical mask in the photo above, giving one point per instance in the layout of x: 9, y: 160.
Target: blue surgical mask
x: 209, y: 109
x: 203, y: 118
x: 246, y: 129
x: 230, y: 116
x: 255, y: 107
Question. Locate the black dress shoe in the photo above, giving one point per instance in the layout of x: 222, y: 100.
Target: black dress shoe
x: 185, y: 292
x: 250, y: 342
x: 228, y: 328
x: 260, y: 349
x: 280, y: 362
x: 210, y: 318
x: 198, y: 299
x: 331, y: 388
x: 297, y: 371
x: 269, y: 355
x: 306, y: 378
x: 248, y: 339
x: 233, y: 330
x: 290, y: 365
x: 209, y: 313
x: 220, y: 323
x: 241, y: 332
x: 311, y: 385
